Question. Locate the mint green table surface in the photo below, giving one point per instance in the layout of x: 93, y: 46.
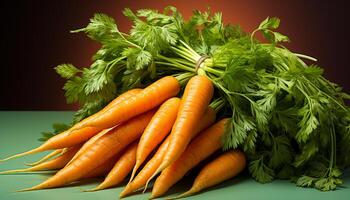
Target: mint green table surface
x: 19, y: 132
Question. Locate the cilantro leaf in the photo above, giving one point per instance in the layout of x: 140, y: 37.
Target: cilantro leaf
x: 101, y: 28
x: 67, y: 71
x: 137, y: 58
x: 270, y: 23
x: 261, y: 172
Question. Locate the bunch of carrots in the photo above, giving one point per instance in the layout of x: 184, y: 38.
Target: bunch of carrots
x: 145, y: 133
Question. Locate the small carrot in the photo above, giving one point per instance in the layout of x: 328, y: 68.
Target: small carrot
x: 88, y: 144
x: 156, y: 131
x: 121, y: 169
x: 152, y: 165
x: 221, y: 169
x: 195, y: 100
x: 45, y: 158
x: 104, y: 148
x: 56, y: 163
x: 147, y: 99
x: 74, y: 135
x: 204, y: 145
x: 140, y: 180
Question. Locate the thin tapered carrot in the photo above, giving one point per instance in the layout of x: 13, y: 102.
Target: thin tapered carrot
x: 221, y: 169
x: 107, y: 146
x: 156, y: 131
x: 74, y: 135
x: 140, y: 180
x: 152, y: 165
x: 114, y: 102
x: 45, y: 158
x: 147, y: 99
x: 120, y: 170
x: 56, y: 163
x: 200, y: 148
x: 62, y: 140
x: 195, y: 100
x: 88, y: 144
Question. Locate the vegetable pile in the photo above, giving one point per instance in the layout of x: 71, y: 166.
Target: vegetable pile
x: 290, y: 121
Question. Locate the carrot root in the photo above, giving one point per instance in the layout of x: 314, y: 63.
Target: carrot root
x: 45, y: 158
x: 36, y: 150
x: 27, y: 189
x: 14, y: 171
x: 93, y: 189
x: 133, y: 173
x: 154, y: 175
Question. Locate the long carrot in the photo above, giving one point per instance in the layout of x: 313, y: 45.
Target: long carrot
x: 56, y: 163
x: 222, y: 168
x: 152, y: 165
x: 104, y: 148
x: 156, y: 131
x: 88, y: 144
x: 103, y: 169
x: 204, y: 145
x: 147, y: 99
x: 74, y: 135
x: 195, y: 100
x: 121, y: 168
x: 111, y: 104
x: 45, y: 158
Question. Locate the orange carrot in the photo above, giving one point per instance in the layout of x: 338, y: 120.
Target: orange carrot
x: 45, y: 158
x: 204, y: 145
x: 147, y: 99
x: 74, y: 135
x: 221, y: 169
x: 140, y: 180
x: 88, y: 144
x: 152, y: 165
x: 121, y: 168
x: 114, y: 102
x: 104, y: 148
x: 103, y: 169
x: 156, y: 131
x: 56, y: 163
x: 195, y: 100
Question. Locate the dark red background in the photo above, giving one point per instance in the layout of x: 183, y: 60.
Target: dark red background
x: 35, y: 38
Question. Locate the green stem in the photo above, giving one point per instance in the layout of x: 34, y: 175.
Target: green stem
x: 176, y: 64
x: 332, y: 160
x: 190, y: 49
x: 212, y: 70
x: 189, y: 52
x: 331, y: 98
x: 183, y: 54
x: 184, y: 77
x: 305, y: 57
x: 218, y: 104
x: 183, y: 61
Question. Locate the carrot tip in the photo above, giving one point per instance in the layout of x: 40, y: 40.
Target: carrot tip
x: 12, y: 171
x: 127, y: 190
x: 36, y: 150
x: 31, y: 164
x: 92, y: 190
x: 26, y: 189
x: 134, y: 171
x: 154, y: 174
